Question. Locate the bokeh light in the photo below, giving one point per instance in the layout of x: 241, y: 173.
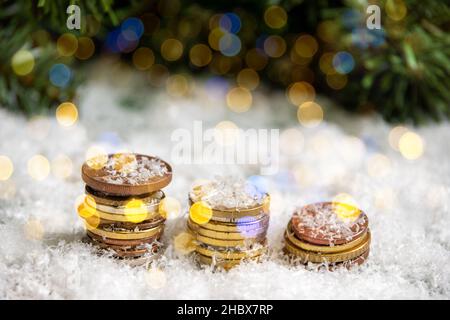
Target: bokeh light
x: 200, y: 212
x: 96, y: 157
x: 143, y: 58
x: 226, y: 133
x: 169, y: 208
x: 229, y: 44
x: 274, y: 46
x: 411, y: 145
x: 62, y: 166
x: 248, y: 78
x: 66, y: 114
x: 306, y: 46
x: 328, y: 31
x: 60, y: 75
x: 200, y: 55
x: 337, y: 81
x: 214, y: 38
x: 184, y: 243
x: 396, y: 9
x: 345, y: 207
x: 171, y: 49
x: 275, y: 17
x: 239, y: 99
x: 85, y: 49
x: 378, y: 166
x: 135, y: 211
x: 343, y: 62
x: 300, y: 92
x: 67, y: 44
x: 230, y: 22
x: 256, y: 59
x: 310, y: 114
x: 394, y: 136
x: 155, y: 278
x: 6, y: 168
x: 22, y: 62
x: 132, y: 29
x: 38, y: 167
x: 326, y: 63
x: 177, y: 85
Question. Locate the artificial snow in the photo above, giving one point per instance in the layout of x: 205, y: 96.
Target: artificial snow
x: 42, y: 255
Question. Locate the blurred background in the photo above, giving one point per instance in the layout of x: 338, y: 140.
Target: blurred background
x: 401, y: 71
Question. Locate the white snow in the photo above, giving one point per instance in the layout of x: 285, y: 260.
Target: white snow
x: 42, y: 256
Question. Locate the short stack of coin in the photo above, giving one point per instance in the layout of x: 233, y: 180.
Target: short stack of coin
x: 121, y: 206
x: 328, y: 234
x: 226, y: 236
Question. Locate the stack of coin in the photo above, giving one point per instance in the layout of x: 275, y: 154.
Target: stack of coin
x: 121, y: 206
x: 328, y: 234
x: 226, y: 235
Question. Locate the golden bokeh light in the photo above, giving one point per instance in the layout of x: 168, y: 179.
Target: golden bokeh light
x: 411, y: 145
x: 378, y: 165
x: 310, y: 114
x: 184, y: 243
x: 326, y: 63
x: 85, y: 49
x: 67, y: 44
x: 214, y: 38
x: 214, y: 21
x: 336, y: 81
x: 226, y: 133
x: 66, y: 114
x: 275, y: 17
x: 248, y: 78
x: 200, y: 55
x: 62, y: 166
x: 136, y: 211
x: 158, y: 75
x: 396, y: 9
x: 6, y: 168
x: 22, y: 62
x: 239, y: 99
x: 38, y: 167
x: 274, y: 46
x: 300, y: 92
x: 256, y: 59
x: 169, y: 208
x: 143, y: 58
x: 200, y: 212
x: 177, y: 85
x: 394, y: 136
x: 220, y: 64
x: 345, y: 207
x: 33, y: 229
x: 295, y: 58
x: 96, y: 157
x: 328, y: 31
x: 171, y: 49
x: 306, y: 46
x: 155, y: 278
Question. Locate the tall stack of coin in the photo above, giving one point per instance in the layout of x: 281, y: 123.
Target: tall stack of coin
x: 121, y: 206
x: 229, y: 222
x: 328, y: 233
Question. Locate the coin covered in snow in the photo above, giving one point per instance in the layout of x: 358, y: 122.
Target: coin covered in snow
x: 126, y: 174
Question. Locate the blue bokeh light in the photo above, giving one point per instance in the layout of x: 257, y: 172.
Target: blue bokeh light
x: 230, y: 22
x: 132, y: 29
x: 60, y: 75
x: 351, y: 18
x: 343, y: 62
x: 230, y: 44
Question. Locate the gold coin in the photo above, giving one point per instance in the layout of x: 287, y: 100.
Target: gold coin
x: 121, y: 201
x: 227, y: 254
x: 224, y: 263
x: 228, y: 243
x: 308, y: 256
x: 245, y: 234
x: 323, y: 248
x: 123, y: 235
x: 84, y: 207
x: 240, y: 226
